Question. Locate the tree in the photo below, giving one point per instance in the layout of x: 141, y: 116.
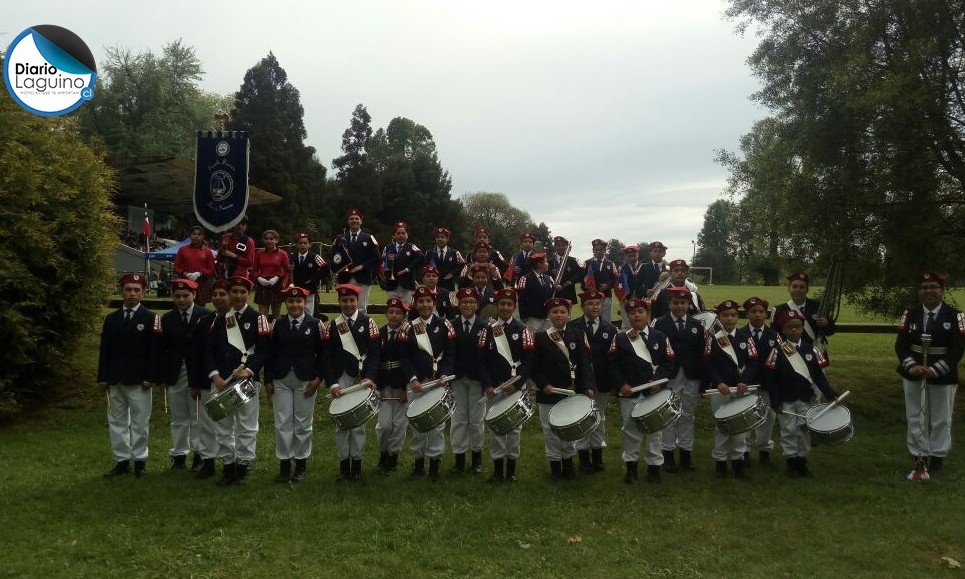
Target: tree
x: 716, y: 243
x: 494, y: 212
x: 56, y: 237
x: 866, y: 145
x: 269, y: 108
x: 614, y: 250
x: 357, y: 180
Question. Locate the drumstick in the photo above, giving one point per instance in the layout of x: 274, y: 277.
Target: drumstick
x: 732, y: 390
x: 107, y: 392
x: 197, y: 409
x: 396, y: 398
x: 433, y: 383
x: 829, y: 406
x: 562, y: 391
x: 165, y: 399
x: 794, y: 414
x: 499, y: 388
x: 653, y: 384
x: 356, y: 387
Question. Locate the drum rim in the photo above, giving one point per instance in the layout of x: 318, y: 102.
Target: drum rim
x: 753, y: 399
x: 843, y: 412
x: 509, y: 400
x: 347, y: 400
x: 653, y: 402
x: 563, y: 405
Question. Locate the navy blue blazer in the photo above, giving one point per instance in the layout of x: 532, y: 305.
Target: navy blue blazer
x: 125, y: 348
x: 302, y: 350
x: 175, y: 343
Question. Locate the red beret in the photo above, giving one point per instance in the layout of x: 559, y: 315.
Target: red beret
x: 631, y: 249
x: 931, y: 277
x: 294, y: 292
x: 798, y: 275
x: 238, y: 281
x: 467, y: 292
x: 221, y: 284
x: 755, y: 301
x: 478, y: 267
x: 396, y: 303
x: 657, y: 245
x: 347, y: 289
x: 597, y: 242
x: 482, y: 230
x: 400, y: 225
x: 560, y: 240
x: 301, y: 235
x: 132, y: 278
x: 557, y: 302
x: 423, y: 292
x: 506, y: 294
x: 527, y: 235
x: 726, y: 305
x: 678, y: 263
x: 592, y: 295
x: 441, y: 231
x: 353, y: 211
x: 680, y: 293
x: 537, y: 256
x: 184, y: 284
x: 429, y: 268
x: 631, y: 304
x: 786, y: 316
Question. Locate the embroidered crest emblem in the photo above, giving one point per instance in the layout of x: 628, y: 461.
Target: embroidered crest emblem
x: 308, y: 331
x: 606, y: 336
x: 515, y: 336
x: 247, y: 325
x: 743, y: 345
x: 572, y: 346
x: 947, y: 325
x: 693, y: 330
x: 808, y: 357
x: 140, y: 327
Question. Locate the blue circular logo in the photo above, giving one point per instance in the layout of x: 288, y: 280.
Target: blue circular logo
x: 49, y: 70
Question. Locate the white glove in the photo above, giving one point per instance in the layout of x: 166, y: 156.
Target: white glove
x: 263, y: 282
x: 273, y: 280
x: 193, y: 276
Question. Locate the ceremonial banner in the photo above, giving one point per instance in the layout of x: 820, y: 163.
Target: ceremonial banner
x: 221, y: 179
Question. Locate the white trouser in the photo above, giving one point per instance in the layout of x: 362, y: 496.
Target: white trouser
x: 310, y: 304
x: 185, y: 426
x: 606, y: 314
x: 795, y: 436
x: 680, y: 433
x: 349, y: 443
x: 597, y: 437
x: 506, y: 446
x: 294, y: 413
x: 556, y: 448
x: 209, y: 428
x: 427, y: 444
x: 467, y: 426
x: 363, y: 296
x: 537, y: 324
x: 128, y: 421
x: 938, y: 415
x: 726, y: 446
x: 763, y: 435
x: 633, y: 436
x: 391, y: 425
x: 237, y: 434
x: 403, y: 294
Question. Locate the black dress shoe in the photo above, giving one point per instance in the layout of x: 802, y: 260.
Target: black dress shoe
x: 227, y: 475
x: 121, y: 468
x: 476, y: 461
x: 497, y: 476
x: 179, y: 462
x: 669, y: 464
x: 241, y: 475
x: 344, y: 471
x: 301, y: 465
x: 196, y: 462
x: 720, y: 469
x: 631, y: 474
x: 140, y: 468
x: 284, y: 472
x: 206, y: 470
x: 356, y: 469
x: 419, y: 467
x: 511, y: 470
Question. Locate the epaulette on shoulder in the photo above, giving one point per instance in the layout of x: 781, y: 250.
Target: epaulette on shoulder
x: 451, y: 330
x: 322, y: 331
x: 670, y: 353
x: 264, y: 327
x: 822, y: 361
x: 157, y: 325
x: 751, y: 349
x: 373, y: 329
x: 529, y: 339
x: 708, y: 345
x: 902, y: 323
x: 961, y: 323
x: 771, y: 361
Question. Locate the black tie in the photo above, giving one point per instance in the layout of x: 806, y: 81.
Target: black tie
x: 294, y: 325
x: 355, y: 237
x: 680, y: 325
x: 757, y: 336
x: 467, y: 326
x: 184, y: 317
x: 128, y: 316
x: 589, y: 328
x: 301, y: 259
x: 391, y: 335
x: 928, y: 324
x: 441, y: 256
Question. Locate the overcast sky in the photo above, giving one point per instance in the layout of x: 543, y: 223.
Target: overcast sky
x: 599, y: 118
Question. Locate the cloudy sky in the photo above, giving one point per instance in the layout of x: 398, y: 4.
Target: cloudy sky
x: 599, y: 118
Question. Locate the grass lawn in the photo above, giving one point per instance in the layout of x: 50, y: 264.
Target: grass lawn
x: 856, y: 517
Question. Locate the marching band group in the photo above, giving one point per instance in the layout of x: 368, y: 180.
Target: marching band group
x: 462, y: 341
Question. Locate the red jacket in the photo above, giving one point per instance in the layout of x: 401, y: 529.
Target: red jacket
x: 191, y: 259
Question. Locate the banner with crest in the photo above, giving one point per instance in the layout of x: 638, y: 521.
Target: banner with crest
x: 221, y: 178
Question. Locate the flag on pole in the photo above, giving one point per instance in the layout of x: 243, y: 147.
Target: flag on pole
x: 146, y: 226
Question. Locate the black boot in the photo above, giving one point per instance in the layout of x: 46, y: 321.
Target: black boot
x: 206, y: 470
x: 383, y: 462
x: 721, y: 469
x: 631, y: 474
x: 434, y: 464
x: 668, y: 461
x: 653, y: 474
x: 597, y: 458
x: 802, y: 466
x: 344, y: 471
x: 747, y: 459
x: 569, y: 469
x: 227, y: 475
x: 686, y: 460
x: 121, y: 468
x: 556, y: 469
x: 179, y: 462
x: 586, y: 461
x: 284, y: 472
x: 764, y: 457
x: 356, y: 469
x: 301, y: 465
x: 196, y: 462
x: 740, y: 468
x: 792, y: 470
x: 419, y: 467
x: 476, y: 461
x: 460, y: 466
x: 497, y: 476
x: 935, y: 466
x: 393, y: 464
x: 510, y: 470
x: 140, y: 468
x: 241, y: 475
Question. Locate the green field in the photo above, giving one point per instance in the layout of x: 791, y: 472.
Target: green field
x: 856, y: 517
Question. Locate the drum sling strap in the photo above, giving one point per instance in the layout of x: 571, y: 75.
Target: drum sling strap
x: 557, y: 339
x: 502, y: 345
x: 723, y: 340
x: 639, y: 346
x: 801, y: 367
x: 348, y: 340
x: 425, y: 344
x: 820, y: 342
x: 233, y: 330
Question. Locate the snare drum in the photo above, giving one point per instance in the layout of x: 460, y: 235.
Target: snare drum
x: 355, y: 408
x: 574, y: 417
x: 741, y: 414
x: 657, y: 411
x: 430, y: 409
x: 833, y: 427
x: 509, y: 413
x: 235, y: 395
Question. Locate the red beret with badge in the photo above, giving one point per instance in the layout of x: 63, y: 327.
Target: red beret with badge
x: 591, y: 295
x: 557, y: 302
x: 423, y: 292
x: 184, y: 284
x: 755, y: 301
x: 396, y: 303
x: 678, y: 293
x: 441, y: 231
x: 429, y: 268
x: 238, y: 281
x: 506, y: 294
x: 798, y: 276
x: 537, y: 257
x: 467, y: 292
x: 134, y: 278
x: 294, y: 292
x: 931, y: 277
x: 353, y: 212
x: 345, y: 290
x: 631, y: 249
x: 678, y: 263
x: 788, y: 316
x: 657, y: 245
x: 726, y: 305
x: 631, y: 304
